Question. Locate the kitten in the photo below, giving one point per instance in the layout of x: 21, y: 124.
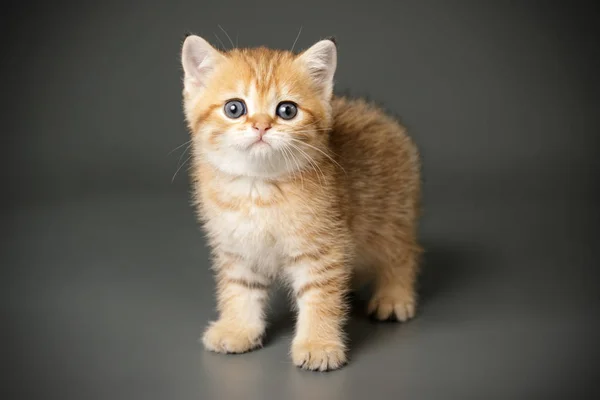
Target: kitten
x: 292, y: 182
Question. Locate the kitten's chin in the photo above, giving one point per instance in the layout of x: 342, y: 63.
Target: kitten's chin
x: 261, y: 161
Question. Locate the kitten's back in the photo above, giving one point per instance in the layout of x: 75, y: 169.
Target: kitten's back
x: 382, y: 179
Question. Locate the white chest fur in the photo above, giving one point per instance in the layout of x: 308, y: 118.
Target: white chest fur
x: 247, y: 217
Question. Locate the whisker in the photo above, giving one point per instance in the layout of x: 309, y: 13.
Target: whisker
x: 331, y: 151
x: 182, y: 154
x: 312, y: 166
x: 314, y: 127
x: 311, y: 130
x: 175, y: 174
x: 286, y: 152
x: 298, y: 166
x: 322, y: 152
x: 315, y: 123
x: 312, y: 162
x: 220, y: 41
x: 312, y: 124
x: 291, y: 171
x: 286, y: 160
x: 225, y: 32
x: 297, y: 36
x: 178, y: 147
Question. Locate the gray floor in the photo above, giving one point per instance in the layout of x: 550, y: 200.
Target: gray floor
x: 104, y: 281
x: 111, y: 294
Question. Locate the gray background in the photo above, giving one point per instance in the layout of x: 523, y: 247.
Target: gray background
x: 105, y: 284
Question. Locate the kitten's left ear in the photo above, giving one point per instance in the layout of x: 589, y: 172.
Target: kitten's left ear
x: 321, y: 61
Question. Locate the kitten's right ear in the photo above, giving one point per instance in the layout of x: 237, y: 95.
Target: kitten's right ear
x: 198, y: 59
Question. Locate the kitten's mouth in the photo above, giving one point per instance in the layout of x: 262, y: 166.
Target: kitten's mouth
x: 259, y: 143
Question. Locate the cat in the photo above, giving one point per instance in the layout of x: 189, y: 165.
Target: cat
x: 295, y: 184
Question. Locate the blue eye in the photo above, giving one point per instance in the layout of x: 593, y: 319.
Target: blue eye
x: 235, y: 108
x: 287, y: 110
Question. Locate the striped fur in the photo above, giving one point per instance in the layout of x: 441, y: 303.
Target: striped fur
x: 331, y: 197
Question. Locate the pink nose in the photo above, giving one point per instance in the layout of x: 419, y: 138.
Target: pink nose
x: 261, y: 127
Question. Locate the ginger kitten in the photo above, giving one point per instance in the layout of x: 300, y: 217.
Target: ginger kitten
x: 294, y: 183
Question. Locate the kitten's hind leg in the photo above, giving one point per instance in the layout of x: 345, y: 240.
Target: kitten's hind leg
x: 394, y: 296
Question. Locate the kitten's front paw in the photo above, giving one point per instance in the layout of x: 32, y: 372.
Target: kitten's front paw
x: 227, y: 337
x: 318, y: 356
x: 392, y: 303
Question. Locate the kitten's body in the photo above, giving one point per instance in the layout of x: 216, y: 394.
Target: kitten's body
x: 340, y: 201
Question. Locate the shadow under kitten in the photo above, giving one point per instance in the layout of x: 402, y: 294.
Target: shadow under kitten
x: 444, y: 268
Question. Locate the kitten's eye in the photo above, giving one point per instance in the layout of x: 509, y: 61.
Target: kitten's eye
x: 235, y: 108
x: 287, y: 110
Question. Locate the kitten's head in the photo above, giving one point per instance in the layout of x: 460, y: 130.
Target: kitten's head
x: 258, y: 112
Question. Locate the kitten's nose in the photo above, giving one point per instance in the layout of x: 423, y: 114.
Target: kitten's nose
x: 262, y: 124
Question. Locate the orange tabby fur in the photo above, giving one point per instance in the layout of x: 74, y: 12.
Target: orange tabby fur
x: 332, y: 196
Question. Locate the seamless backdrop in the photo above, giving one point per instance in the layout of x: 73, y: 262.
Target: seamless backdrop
x: 105, y: 284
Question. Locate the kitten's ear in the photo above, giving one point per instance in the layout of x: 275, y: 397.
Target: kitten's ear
x: 198, y: 59
x: 321, y: 61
